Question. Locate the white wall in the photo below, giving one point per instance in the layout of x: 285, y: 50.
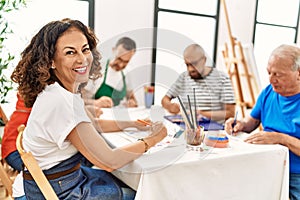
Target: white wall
x: 241, y: 22
x: 134, y: 18
x: 26, y: 22
x: 241, y: 16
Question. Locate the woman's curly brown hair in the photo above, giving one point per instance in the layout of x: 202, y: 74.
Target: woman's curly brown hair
x: 34, y: 72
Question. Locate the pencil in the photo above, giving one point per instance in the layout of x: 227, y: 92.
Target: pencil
x: 234, y: 122
x: 144, y: 122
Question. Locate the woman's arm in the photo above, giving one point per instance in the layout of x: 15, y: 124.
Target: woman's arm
x: 104, y: 125
x: 91, y: 145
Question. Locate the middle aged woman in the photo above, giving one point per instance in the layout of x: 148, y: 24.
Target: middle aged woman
x: 56, y: 64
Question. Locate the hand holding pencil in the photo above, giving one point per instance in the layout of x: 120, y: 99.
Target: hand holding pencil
x: 154, y: 127
x: 143, y: 124
x: 233, y: 126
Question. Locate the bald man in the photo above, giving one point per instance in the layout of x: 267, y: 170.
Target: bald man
x: 213, y: 90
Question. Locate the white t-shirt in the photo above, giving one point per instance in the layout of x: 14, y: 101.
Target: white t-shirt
x: 54, y: 114
x: 18, y: 187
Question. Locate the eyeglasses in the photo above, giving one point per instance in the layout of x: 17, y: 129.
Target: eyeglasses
x: 194, y: 63
x: 119, y: 59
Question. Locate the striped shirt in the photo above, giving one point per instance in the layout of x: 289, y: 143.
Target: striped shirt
x: 211, y: 92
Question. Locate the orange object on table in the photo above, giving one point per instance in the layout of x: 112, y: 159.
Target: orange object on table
x: 218, y: 141
x: 144, y: 122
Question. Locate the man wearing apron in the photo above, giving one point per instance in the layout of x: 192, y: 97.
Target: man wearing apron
x: 108, y: 91
x: 114, y: 87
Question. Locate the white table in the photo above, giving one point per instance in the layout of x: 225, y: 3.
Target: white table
x: 242, y: 171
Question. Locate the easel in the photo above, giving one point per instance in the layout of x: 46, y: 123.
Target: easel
x: 233, y: 63
x: 3, y: 116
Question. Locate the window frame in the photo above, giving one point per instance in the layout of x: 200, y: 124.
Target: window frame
x: 155, y: 32
x: 256, y: 22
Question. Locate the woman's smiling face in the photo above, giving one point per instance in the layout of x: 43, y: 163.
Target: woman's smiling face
x: 73, y: 59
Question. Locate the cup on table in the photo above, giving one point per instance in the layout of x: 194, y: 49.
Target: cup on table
x: 215, y: 139
x: 149, y: 96
x: 194, y: 138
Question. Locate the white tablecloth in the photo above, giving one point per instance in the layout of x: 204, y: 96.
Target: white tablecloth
x: 241, y: 172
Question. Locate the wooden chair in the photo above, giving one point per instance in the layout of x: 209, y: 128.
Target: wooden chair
x: 5, y: 176
x: 34, y: 169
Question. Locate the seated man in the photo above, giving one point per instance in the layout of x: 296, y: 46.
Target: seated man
x: 114, y: 86
x: 277, y: 110
x: 213, y: 90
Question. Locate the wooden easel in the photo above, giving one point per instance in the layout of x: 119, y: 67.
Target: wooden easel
x: 3, y: 116
x: 233, y: 62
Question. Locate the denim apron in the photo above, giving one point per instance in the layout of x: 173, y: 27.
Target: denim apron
x: 106, y: 90
x: 85, y: 183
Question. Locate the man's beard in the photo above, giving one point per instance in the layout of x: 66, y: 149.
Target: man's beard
x: 196, y: 76
x: 116, y: 67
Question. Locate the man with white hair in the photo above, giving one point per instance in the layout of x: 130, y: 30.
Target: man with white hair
x: 278, y: 110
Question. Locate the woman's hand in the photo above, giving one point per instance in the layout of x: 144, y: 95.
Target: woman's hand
x: 158, y: 133
x: 143, y: 126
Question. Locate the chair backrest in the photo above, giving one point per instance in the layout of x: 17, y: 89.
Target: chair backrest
x: 5, y: 179
x: 34, y: 169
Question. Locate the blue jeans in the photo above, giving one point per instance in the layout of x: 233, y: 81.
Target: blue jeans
x: 85, y: 183
x: 128, y: 193
x: 294, y: 186
x: 20, y: 198
x: 15, y: 161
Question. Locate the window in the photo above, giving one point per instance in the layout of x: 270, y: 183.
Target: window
x: 276, y: 22
x: 177, y: 24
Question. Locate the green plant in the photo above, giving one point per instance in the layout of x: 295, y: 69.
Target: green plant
x: 6, y: 6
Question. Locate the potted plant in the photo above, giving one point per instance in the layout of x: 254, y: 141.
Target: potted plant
x: 6, y: 58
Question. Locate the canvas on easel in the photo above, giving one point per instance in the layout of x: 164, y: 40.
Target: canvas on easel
x: 242, y: 76
x: 252, y: 71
